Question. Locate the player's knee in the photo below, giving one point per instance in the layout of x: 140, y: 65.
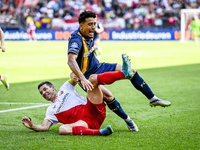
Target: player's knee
x: 108, y: 98
x: 65, y: 130
x: 93, y: 79
x: 118, y: 67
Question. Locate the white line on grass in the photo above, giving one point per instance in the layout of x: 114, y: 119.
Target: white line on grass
x: 2, y: 111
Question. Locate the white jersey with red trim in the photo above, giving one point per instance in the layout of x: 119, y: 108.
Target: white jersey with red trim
x: 67, y: 98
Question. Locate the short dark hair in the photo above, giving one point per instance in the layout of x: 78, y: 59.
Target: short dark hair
x: 45, y: 82
x: 86, y: 14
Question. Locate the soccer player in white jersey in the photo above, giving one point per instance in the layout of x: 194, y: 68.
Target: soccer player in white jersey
x: 3, y: 78
x: 79, y: 115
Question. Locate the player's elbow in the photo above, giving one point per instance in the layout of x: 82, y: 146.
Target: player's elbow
x: 68, y: 62
x: 65, y: 130
x: 43, y: 129
x: 46, y: 129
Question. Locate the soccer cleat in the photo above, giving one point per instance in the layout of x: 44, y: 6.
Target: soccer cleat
x: 132, y: 126
x: 159, y: 102
x: 106, y: 131
x: 5, y: 82
x: 126, y: 67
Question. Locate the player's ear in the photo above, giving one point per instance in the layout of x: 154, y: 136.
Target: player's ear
x: 81, y: 25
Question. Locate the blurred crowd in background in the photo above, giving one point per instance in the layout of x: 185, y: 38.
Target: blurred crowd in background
x: 113, y: 14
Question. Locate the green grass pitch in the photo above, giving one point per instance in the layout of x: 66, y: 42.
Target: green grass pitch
x: 170, y: 68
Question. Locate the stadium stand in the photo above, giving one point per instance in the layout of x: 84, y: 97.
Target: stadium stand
x: 113, y: 14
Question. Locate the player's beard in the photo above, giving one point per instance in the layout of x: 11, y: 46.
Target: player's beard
x: 51, y: 98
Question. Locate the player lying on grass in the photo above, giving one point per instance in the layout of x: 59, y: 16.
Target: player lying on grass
x: 79, y: 115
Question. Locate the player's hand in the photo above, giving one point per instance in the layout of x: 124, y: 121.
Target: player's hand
x: 27, y: 122
x: 3, y: 48
x: 86, y: 84
x: 75, y: 78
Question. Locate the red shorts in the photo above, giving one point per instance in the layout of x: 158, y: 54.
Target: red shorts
x: 31, y: 32
x: 94, y: 114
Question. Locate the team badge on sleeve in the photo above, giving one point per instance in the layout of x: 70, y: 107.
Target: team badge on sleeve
x: 74, y: 45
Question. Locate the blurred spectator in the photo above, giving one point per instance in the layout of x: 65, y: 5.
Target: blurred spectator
x: 67, y: 16
x: 171, y: 21
x: 137, y: 22
x: 148, y: 21
x: 108, y: 5
x: 158, y: 22
x: 129, y: 18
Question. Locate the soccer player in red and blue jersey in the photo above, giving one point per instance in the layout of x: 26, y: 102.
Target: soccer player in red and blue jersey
x: 83, y: 63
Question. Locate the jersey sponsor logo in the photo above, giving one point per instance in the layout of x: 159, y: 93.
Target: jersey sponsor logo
x: 64, y: 100
x: 74, y: 45
x: 60, y: 93
x: 89, y: 52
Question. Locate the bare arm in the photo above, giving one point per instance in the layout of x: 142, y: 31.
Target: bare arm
x: 27, y: 122
x: 2, y: 40
x: 99, y: 30
x: 76, y: 70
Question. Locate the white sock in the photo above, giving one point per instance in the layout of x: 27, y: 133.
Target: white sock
x: 153, y: 98
x: 127, y: 119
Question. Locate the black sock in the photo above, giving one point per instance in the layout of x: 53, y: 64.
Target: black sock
x: 114, y: 105
x: 141, y: 85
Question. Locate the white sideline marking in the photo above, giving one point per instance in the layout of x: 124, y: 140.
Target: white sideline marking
x: 24, y: 108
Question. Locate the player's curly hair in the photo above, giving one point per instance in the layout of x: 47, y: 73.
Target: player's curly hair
x: 86, y: 14
x: 45, y: 82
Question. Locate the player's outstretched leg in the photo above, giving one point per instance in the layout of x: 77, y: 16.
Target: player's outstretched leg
x: 139, y: 83
x: 128, y: 72
x: 4, y: 80
x: 109, y: 78
x: 126, y: 67
x: 106, y: 131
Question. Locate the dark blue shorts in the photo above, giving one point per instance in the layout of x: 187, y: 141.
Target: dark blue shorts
x: 103, y: 67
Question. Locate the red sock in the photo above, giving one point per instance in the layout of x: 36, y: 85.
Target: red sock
x: 79, y: 130
x: 110, y: 77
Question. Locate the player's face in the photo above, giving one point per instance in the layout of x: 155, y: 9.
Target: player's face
x: 87, y: 28
x: 47, y: 92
